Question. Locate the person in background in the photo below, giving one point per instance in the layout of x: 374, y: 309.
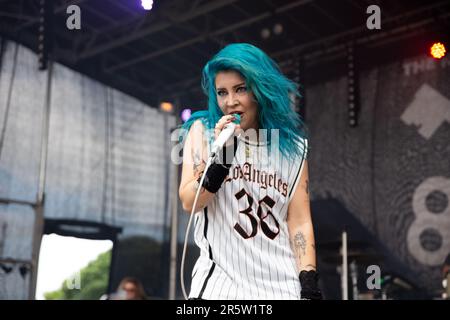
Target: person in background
x: 129, y: 288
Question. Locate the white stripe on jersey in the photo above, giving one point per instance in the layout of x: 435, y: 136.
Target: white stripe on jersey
x: 243, y: 235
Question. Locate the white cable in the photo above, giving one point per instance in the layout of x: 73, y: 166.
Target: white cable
x: 211, y: 158
x: 225, y: 134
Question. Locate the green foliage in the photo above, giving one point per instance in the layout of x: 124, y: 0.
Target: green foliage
x: 94, y: 281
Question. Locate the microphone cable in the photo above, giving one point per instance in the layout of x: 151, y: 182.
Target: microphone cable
x: 183, y: 255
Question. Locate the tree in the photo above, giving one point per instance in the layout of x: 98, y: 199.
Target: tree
x: 93, y: 281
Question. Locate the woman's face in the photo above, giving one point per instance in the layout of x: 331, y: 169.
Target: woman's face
x: 233, y: 96
x: 130, y: 290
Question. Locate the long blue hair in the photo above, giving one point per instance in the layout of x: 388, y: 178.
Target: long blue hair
x: 273, y: 91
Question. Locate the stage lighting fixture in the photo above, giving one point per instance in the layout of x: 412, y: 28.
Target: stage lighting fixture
x: 42, y: 39
x: 186, y: 114
x: 352, y: 85
x: 166, y: 107
x: 265, y: 33
x: 278, y: 28
x: 438, y: 50
x: 44, y: 32
x: 147, y: 4
x: 352, y: 122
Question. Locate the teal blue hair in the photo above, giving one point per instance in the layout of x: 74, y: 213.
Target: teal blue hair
x: 272, y: 90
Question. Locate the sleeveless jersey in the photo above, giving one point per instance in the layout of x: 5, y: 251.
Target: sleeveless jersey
x: 242, y: 234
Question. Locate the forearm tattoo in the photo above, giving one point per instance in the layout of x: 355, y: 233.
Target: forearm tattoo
x: 198, y: 168
x: 299, y: 244
x: 199, y: 164
x: 307, y: 187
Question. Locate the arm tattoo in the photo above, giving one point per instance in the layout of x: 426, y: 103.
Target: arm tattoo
x: 307, y: 187
x: 198, y: 167
x: 300, y: 244
x: 198, y: 162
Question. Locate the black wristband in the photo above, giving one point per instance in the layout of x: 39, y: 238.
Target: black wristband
x: 214, y: 177
x: 309, y: 282
x: 219, y: 169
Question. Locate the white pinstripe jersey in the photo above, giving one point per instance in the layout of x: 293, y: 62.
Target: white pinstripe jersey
x: 243, y: 235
